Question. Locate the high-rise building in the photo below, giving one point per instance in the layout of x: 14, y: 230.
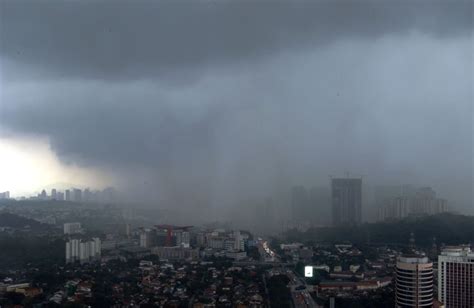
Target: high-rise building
x: 423, y: 202
x: 182, y: 238
x: 414, y: 282
x: 54, y: 194
x: 238, y: 241
x: 161, y: 238
x: 68, y: 195
x: 83, y: 251
x: 128, y: 230
x: 426, y: 203
x: 60, y: 196
x: 383, y: 194
x: 5, y: 195
x: 148, y: 238
x: 346, y: 201
x: 72, y: 250
x: 77, y: 195
x: 72, y: 228
x: 456, y: 277
x: 87, y: 195
x: 43, y: 195
x: 395, y: 208
x: 201, y: 239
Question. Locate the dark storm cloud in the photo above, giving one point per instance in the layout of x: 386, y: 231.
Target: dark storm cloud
x: 136, y: 39
x: 207, y: 103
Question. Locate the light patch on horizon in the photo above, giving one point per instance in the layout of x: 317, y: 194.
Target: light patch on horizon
x: 28, y: 165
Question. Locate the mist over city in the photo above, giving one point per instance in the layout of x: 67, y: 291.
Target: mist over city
x: 273, y: 134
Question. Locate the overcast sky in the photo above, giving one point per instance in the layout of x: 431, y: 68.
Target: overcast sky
x: 210, y: 102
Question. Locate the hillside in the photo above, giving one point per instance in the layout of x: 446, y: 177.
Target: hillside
x: 18, y: 222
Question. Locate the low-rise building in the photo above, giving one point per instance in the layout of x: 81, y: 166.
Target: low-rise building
x: 176, y: 253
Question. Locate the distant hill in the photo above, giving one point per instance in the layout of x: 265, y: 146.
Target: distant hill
x: 36, y: 203
x: 19, y: 222
x: 449, y: 229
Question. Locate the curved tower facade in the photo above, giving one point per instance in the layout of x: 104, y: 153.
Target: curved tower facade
x: 414, y: 282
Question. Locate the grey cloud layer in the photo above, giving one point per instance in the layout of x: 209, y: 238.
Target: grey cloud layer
x: 208, y: 103
x: 135, y: 39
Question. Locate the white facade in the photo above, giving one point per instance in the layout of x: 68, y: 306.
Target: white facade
x: 456, y: 277
x: 182, y: 239
x: 147, y: 238
x: 83, y: 251
x: 72, y: 250
x: 238, y: 241
x: 216, y: 243
x: 72, y: 228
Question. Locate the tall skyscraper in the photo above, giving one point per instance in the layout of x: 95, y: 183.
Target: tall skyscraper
x: 68, y: 195
x: 54, y: 194
x: 238, y: 241
x: 128, y: 230
x: 148, y: 238
x: 456, y: 277
x: 346, y: 201
x: 87, y: 195
x: 83, y: 251
x: 60, y: 196
x: 43, y: 195
x: 77, y: 195
x: 414, y: 282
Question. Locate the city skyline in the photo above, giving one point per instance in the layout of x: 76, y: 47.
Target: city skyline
x: 206, y: 114
x: 28, y: 165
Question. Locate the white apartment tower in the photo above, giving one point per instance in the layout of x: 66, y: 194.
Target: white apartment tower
x: 72, y: 228
x: 83, y: 251
x: 456, y: 277
x: 238, y: 241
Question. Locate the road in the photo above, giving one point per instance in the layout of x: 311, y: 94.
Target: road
x: 300, y: 292
x: 298, y: 287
